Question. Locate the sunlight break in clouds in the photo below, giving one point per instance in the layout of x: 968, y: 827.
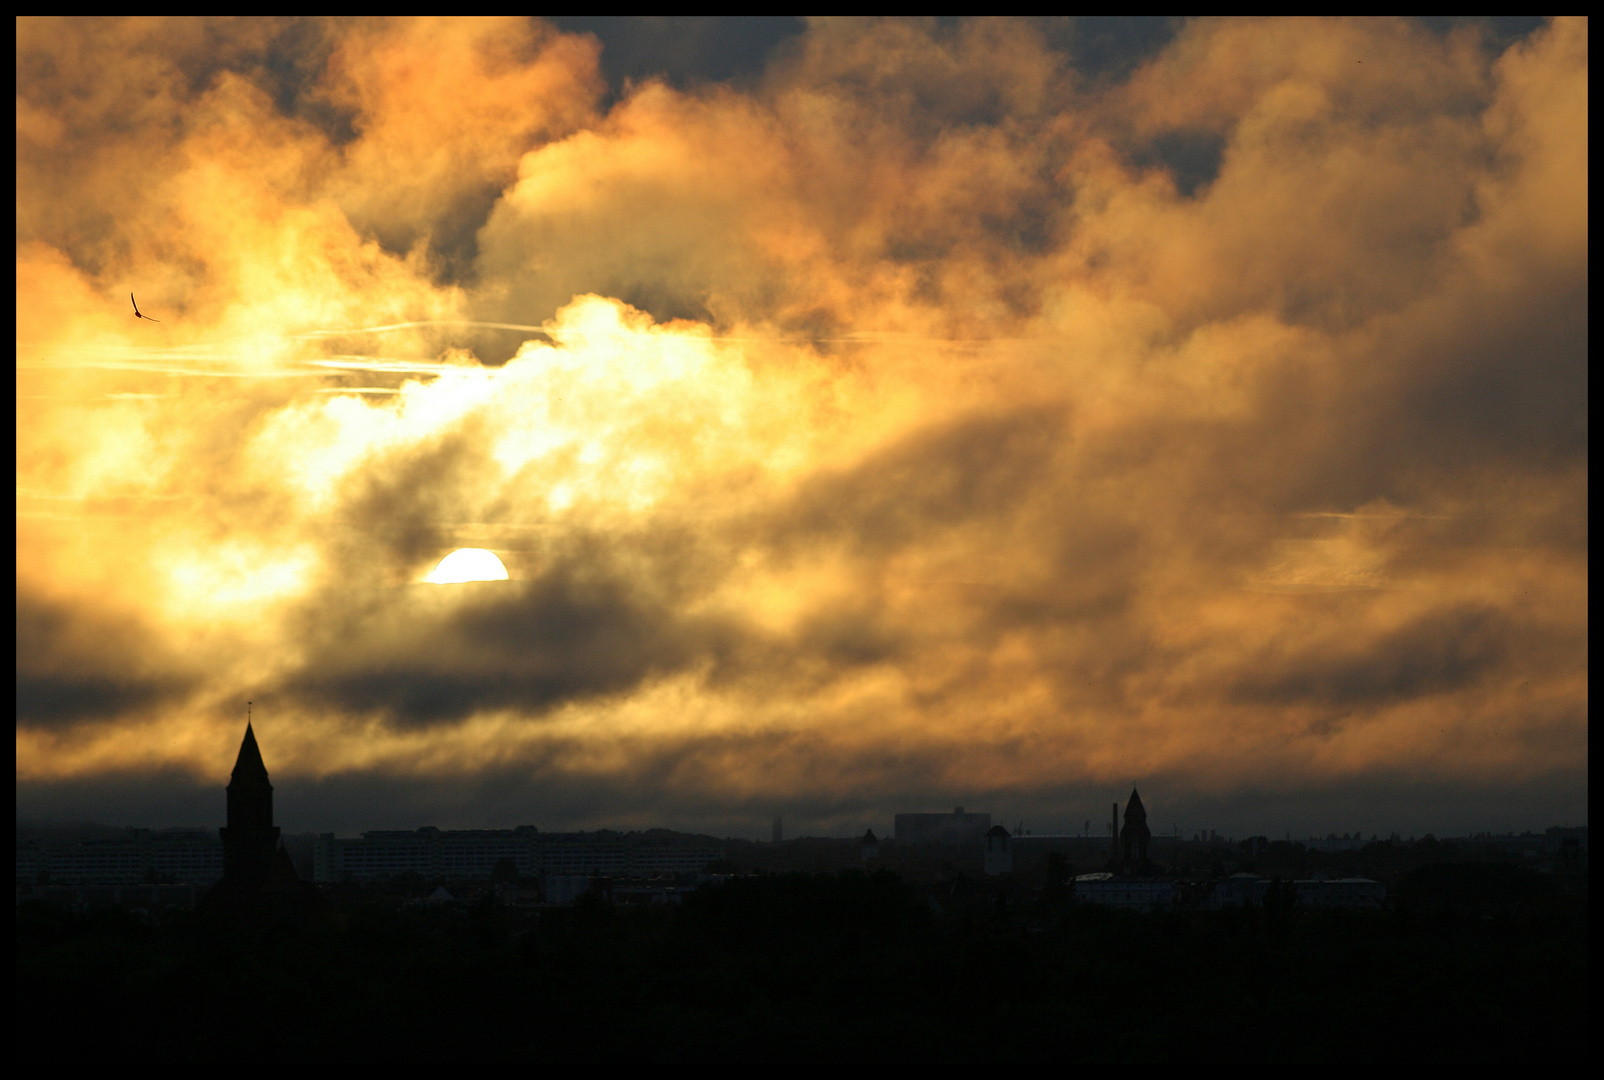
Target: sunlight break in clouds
x: 468, y: 564
x: 920, y: 419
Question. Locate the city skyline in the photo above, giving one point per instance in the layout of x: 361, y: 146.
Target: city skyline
x: 827, y: 419
x: 360, y: 819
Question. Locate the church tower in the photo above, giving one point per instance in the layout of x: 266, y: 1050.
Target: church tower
x: 1135, y: 833
x: 259, y: 879
x: 250, y: 840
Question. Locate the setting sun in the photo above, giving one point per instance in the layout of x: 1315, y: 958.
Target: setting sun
x: 468, y: 564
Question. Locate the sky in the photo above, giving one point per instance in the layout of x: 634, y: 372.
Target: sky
x: 871, y: 416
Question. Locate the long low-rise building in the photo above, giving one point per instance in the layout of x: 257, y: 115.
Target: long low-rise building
x: 179, y: 856
x: 1354, y: 892
x: 1238, y: 890
x: 1132, y: 894
x: 475, y: 853
x: 1249, y: 890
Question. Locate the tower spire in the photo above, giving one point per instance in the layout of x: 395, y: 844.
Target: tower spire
x: 250, y: 837
x: 259, y: 879
x: 1135, y: 833
x: 249, y: 768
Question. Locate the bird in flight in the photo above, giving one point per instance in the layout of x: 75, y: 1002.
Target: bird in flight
x: 137, y: 313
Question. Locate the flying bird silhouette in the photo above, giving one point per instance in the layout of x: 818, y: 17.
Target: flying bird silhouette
x: 137, y: 313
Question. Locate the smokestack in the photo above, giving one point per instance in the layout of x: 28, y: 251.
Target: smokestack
x: 1113, y: 837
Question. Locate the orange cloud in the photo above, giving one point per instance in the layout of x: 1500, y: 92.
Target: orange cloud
x: 923, y: 417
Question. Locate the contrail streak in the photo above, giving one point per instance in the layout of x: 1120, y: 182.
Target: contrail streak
x: 426, y: 322
x: 863, y: 337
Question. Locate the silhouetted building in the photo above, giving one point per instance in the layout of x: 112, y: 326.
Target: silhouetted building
x: 1239, y: 890
x: 779, y: 830
x: 956, y: 828
x: 567, y: 888
x: 1134, y: 894
x: 1135, y: 834
x: 258, y: 877
x: 1353, y: 892
x: 467, y: 854
x: 140, y: 856
x: 868, y: 847
x: 250, y: 839
x: 999, y: 852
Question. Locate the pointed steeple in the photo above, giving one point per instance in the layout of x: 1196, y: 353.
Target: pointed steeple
x: 1135, y: 809
x: 248, y: 767
x: 259, y: 879
x: 1135, y: 834
x: 250, y: 796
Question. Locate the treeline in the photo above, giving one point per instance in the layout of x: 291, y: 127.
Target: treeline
x: 1381, y: 860
x: 821, y: 967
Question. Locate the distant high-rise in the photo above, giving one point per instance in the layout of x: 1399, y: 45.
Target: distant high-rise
x: 779, y: 833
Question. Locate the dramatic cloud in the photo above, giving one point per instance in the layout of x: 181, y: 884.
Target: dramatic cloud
x: 928, y: 413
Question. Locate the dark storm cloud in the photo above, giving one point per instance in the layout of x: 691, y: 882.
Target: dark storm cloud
x: 604, y: 612
x: 1192, y: 157
x: 597, y: 620
x: 1108, y: 46
x: 1441, y: 652
x: 973, y: 469
x: 400, y: 506
x: 687, y: 50
x: 83, y: 666
x: 1514, y: 384
x: 61, y: 699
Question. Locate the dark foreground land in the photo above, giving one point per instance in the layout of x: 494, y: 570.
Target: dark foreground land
x: 821, y: 967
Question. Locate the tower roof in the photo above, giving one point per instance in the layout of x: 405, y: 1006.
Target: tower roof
x: 249, y: 767
x: 1134, y: 808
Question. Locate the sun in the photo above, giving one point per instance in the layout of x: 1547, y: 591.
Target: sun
x: 468, y: 564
